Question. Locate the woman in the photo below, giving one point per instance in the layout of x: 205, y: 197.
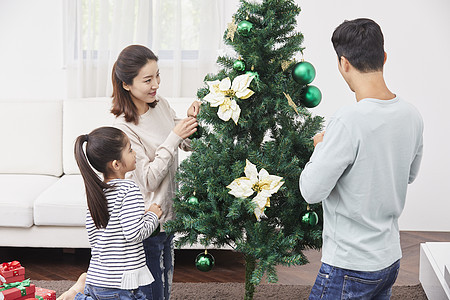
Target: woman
x: 155, y: 134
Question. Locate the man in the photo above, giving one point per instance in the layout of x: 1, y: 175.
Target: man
x: 360, y: 170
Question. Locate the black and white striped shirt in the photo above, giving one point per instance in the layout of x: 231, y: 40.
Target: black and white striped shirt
x: 118, y: 258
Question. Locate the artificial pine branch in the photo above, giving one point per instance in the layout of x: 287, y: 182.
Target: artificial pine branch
x: 270, y: 134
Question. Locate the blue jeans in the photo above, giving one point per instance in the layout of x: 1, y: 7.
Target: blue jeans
x: 101, y: 293
x: 159, y: 254
x: 336, y: 283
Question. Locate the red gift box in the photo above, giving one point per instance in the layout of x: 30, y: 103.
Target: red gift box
x: 12, y: 271
x: 45, y: 294
x: 19, y: 293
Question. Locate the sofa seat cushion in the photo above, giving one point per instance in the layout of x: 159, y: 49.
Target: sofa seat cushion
x: 63, y: 204
x: 19, y: 191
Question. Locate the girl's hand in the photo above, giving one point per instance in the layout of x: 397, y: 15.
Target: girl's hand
x: 194, y: 109
x: 155, y: 208
x: 186, y: 127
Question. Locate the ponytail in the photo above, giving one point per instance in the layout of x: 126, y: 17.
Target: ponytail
x: 103, y: 145
x: 97, y: 204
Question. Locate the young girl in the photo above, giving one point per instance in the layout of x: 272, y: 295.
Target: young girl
x: 155, y: 134
x: 117, y: 221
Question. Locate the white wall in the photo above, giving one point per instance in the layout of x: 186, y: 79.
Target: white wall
x: 31, y: 64
x: 417, y: 69
x: 416, y: 40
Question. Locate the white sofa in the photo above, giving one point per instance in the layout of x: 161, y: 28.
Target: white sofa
x: 42, y: 200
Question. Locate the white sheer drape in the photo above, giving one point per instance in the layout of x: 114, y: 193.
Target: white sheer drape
x: 185, y: 34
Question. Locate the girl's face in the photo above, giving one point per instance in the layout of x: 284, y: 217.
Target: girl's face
x: 144, y: 86
x: 128, y: 158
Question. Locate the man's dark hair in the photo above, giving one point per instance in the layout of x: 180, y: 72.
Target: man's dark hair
x: 362, y: 43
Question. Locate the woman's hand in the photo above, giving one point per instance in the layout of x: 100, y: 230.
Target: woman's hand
x: 155, y: 208
x: 186, y: 127
x: 194, y: 109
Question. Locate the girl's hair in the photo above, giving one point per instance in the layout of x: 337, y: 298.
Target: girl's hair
x: 125, y: 69
x: 103, y: 145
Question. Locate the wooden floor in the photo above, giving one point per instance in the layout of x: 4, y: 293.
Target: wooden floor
x: 68, y: 264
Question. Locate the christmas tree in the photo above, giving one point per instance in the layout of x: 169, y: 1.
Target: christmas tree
x: 239, y: 187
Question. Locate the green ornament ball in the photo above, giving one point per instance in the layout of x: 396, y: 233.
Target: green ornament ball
x: 244, y: 28
x: 251, y: 73
x: 311, y: 96
x: 303, y: 72
x: 192, y: 200
x: 156, y: 231
x: 239, y: 66
x: 197, y: 134
x: 204, y: 262
x: 310, y: 218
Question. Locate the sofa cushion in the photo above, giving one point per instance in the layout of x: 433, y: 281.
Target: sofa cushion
x: 31, y: 135
x: 81, y: 116
x: 18, y: 195
x: 63, y: 204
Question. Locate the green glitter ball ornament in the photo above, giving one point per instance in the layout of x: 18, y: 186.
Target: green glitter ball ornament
x: 254, y: 74
x: 204, y: 262
x: 310, y: 218
x: 244, y: 28
x: 311, y: 96
x: 192, y: 200
x: 239, y: 66
x: 303, y: 73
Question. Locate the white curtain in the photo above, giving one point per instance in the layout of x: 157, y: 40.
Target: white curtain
x: 185, y: 34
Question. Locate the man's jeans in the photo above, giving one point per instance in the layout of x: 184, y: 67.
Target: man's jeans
x: 99, y: 293
x: 160, y: 257
x: 336, y: 283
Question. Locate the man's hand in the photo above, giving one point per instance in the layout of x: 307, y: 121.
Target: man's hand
x: 318, y: 138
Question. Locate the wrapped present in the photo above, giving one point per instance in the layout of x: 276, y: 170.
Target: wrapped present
x: 17, y: 290
x: 12, y: 271
x: 45, y: 294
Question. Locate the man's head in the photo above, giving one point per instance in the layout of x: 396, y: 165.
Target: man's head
x: 361, y: 42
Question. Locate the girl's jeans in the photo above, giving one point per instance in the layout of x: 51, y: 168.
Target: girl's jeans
x: 336, y: 283
x: 100, y: 293
x: 160, y: 260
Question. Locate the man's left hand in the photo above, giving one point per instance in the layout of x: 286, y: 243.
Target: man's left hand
x: 318, y: 138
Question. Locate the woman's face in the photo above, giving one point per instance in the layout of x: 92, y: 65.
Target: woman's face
x: 145, y: 84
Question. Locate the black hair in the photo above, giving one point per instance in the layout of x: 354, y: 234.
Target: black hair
x: 125, y: 69
x: 103, y: 145
x: 361, y: 42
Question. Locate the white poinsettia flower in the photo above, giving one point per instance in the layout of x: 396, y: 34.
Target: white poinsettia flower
x: 229, y: 109
x: 240, y: 86
x: 221, y: 94
x: 264, y: 184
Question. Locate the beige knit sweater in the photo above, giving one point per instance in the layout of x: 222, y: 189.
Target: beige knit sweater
x: 156, y: 147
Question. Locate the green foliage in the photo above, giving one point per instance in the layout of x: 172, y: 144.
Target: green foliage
x: 270, y: 134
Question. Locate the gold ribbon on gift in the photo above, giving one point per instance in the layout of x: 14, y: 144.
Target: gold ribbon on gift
x: 21, y: 285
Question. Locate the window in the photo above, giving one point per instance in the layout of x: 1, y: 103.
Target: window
x: 184, y: 34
